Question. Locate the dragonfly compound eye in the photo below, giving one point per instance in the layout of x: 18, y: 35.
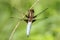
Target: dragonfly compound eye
x: 32, y: 10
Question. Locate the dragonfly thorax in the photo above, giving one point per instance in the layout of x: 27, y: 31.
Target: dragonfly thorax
x: 30, y: 14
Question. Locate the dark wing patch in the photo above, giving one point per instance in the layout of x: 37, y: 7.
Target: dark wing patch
x: 26, y: 21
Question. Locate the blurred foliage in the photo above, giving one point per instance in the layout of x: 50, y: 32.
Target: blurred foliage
x: 46, y: 28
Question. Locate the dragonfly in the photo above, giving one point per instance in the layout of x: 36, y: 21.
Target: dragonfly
x: 30, y: 19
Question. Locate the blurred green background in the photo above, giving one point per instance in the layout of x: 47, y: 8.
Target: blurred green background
x: 46, y: 28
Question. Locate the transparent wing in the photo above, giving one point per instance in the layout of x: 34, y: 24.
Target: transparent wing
x: 18, y: 14
x: 43, y: 18
x: 40, y: 12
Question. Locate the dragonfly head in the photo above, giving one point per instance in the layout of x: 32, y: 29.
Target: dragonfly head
x: 31, y: 10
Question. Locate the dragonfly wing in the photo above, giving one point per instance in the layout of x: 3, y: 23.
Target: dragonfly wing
x: 40, y: 12
x: 39, y: 19
x: 21, y: 19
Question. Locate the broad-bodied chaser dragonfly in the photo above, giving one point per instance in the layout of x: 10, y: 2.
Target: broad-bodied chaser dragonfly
x: 30, y: 19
